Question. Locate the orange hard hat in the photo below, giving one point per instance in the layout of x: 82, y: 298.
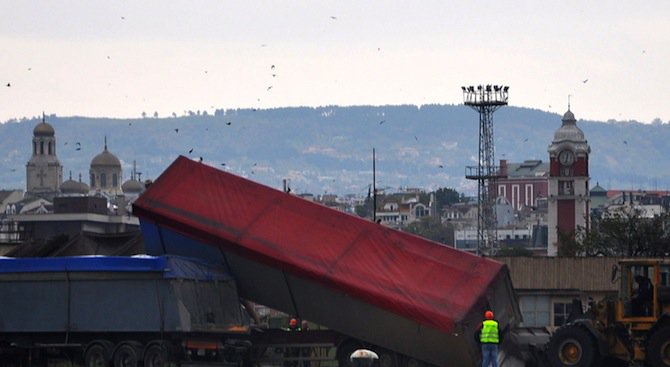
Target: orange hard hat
x: 293, y: 323
x: 488, y: 315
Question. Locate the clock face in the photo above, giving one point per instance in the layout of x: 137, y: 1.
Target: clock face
x: 566, y: 157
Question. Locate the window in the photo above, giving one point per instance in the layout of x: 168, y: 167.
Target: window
x: 502, y: 190
x: 49, y: 148
x: 529, y: 195
x: 561, y: 312
x: 92, y: 180
x: 535, y: 310
x: 41, y: 147
x: 515, y: 196
x: 565, y: 188
x: 115, y: 180
x: 103, y: 180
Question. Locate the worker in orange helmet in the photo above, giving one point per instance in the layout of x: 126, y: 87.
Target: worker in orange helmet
x: 489, y: 338
x: 293, y: 325
x: 292, y: 353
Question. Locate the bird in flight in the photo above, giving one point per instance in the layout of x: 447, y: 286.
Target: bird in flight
x: 223, y: 164
x: 382, y: 121
x: 176, y: 130
x: 9, y: 85
x: 270, y: 87
x: 441, y: 166
x: 190, y: 151
x: 272, y: 67
x: 333, y: 17
x: 584, y: 81
x: 229, y: 123
x: 200, y: 159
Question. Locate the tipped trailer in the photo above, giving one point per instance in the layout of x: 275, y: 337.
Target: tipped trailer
x: 119, y: 311
x: 413, y: 301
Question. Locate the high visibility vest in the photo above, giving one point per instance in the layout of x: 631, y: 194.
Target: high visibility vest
x: 489, y: 332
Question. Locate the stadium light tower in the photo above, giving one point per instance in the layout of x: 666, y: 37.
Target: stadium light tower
x: 485, y: 99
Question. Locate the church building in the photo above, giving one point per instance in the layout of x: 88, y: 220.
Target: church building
x: 44, y: 173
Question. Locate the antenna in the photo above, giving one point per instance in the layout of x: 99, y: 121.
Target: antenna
x: 485, y: 99
x: 569, y: 95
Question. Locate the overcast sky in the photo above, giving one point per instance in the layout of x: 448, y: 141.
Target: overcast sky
x: 122, y: 58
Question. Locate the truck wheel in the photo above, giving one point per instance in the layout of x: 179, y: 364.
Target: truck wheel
x: 126, y: 356
x: 571, y: 346
x: 155, y: 355
x: 411, y: 362
x: 658, y: 348
x: 97, y: 355
x: 387, y: 358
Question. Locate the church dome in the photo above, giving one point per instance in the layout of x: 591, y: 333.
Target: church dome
x: 105, y: 159
x: 43, y: 129
x: 74, y: 187
x: 132, y: 186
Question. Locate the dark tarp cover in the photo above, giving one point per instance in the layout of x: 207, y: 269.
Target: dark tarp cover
x: 169, y: 266
x: 84, y: 243
x: 430, y: 283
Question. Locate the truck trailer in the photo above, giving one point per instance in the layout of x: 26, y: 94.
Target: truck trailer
x: 413, y: 301
x: 119, y: 311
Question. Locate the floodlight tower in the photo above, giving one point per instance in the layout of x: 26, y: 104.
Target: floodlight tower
x: 485, y: 99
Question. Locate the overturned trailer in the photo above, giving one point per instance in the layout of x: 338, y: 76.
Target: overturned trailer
x: 419, y: 300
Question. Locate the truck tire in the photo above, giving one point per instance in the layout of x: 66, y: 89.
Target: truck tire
x: 387, y: 358
x: 156, y: 355
x: 572, y: 346
x: 127, y: 355
x: 96, y: 355
x: 658, y: 348
x: 411, y: 362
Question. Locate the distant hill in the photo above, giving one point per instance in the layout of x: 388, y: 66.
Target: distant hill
x: 329, y: 149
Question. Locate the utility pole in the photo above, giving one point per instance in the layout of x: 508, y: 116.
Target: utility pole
x: 374, y: 188
x: 485, y: 99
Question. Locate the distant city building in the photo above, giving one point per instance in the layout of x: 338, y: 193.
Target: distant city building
x: 44, y: 173
x: 523, y: 184
x: 401, y: 209
x: 105, y: 173
x: 569, y: 204
x: 52, y: 207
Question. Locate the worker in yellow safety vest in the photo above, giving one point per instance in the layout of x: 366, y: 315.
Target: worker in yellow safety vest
x: 489, y: 338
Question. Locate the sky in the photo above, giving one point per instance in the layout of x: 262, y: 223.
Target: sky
x: 608, y: 59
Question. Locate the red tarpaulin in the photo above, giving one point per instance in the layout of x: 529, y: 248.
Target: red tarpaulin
x: 430, y: 283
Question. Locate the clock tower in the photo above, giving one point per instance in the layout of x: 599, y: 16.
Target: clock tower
x: 569, y: 202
